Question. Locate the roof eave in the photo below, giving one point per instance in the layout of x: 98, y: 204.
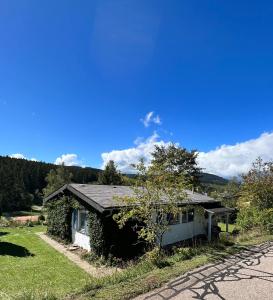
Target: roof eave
x: 76, y: 193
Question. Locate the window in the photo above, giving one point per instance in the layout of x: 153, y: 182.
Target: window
x: 82, y: 222
x: 191, y: 215
x: 184, y: 217
x: 75, y: 219
x: 173, y: 219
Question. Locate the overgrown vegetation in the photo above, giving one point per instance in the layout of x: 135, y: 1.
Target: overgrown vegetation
x: 96, y: 233
x: 158, y: 190
x: 256, y: 197
x: 59, y: 213
x: 145, y: 275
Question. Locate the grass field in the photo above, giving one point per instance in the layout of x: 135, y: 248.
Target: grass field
x: 223, y: 227
x: 28, y: 265
x: 35, y: 211
x: 32, y: 270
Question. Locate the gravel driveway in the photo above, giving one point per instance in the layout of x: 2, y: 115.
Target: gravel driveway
x: 247, y: 275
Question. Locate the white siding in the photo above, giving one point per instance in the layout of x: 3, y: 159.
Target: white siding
x: 184, y: 231
x: 81, y: 240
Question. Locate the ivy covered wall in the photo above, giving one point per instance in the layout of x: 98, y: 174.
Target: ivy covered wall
x: 105, y: 236
x: 107, y: 239
x: 59, y: 214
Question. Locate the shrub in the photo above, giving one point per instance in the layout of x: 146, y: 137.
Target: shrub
x: 97, y: 233
x: 29, y: 223
x: 226, y: 239
x: 184, y: 253
x: 251, y: 217
x: 107, y: 239
x: 157, y: 257
x: 41, y: 218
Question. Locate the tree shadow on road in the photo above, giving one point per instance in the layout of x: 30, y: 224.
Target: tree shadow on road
x: 202, y: 282
x: 14, y: 250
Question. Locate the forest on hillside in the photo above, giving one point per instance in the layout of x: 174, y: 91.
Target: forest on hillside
x: 22, y: 181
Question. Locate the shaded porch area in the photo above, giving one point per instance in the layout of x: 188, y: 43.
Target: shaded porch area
x: 217, y: 212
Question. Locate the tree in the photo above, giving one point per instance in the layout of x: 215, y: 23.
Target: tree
x: 110, y: 175
x: 229, y: 193
x: 257, y: 186
x: 155, y: 196
x: 178, y: 161
x: 56, y: 179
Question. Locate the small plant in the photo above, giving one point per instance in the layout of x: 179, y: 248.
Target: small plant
x: 226, y: 239
x: 41, y: 218
x: 157, y: 257
x: 29, y: 223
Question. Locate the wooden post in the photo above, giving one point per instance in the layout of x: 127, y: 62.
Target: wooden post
x: 209, y: 226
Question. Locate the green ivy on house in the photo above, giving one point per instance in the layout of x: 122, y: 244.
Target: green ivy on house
x: 59, y: 217
x: 97, y: 233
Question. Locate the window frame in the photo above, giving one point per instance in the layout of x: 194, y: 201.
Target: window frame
x: 191, y: 213
x: 184, y: 220
x: 173, y: 219
x: 82, y: 229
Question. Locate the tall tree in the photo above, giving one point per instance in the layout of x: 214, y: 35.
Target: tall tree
x: 178, y: 161
x: 154, y: 197
x: 110, y: 175
x: 56, y: 179
x: 257, y: 186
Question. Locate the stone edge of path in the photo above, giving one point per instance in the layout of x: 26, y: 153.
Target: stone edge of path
x: 94, y: 271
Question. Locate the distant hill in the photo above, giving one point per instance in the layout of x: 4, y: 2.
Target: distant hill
x: 207, y: 178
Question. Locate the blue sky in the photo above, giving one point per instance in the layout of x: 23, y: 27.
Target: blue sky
x: 77, y: 77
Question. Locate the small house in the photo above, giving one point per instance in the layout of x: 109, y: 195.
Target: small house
x: 99, y: 202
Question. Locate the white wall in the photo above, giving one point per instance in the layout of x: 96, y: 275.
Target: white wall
x: 81, y: 240
x: 184, y: 231
x: 176, y: 233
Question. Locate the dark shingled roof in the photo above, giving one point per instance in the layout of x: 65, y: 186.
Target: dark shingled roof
x: 101, y: 197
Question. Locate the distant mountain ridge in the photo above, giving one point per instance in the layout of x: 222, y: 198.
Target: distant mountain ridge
x: 207, y: 178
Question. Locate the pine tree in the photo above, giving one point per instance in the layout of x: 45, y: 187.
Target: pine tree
x: 110, y: 175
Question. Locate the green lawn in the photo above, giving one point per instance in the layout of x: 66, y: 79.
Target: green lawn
x: 30, y: 269
x: 223, y: 227
x: 29, y: 265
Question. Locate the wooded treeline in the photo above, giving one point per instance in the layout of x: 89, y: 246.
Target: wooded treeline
x: 21, y: 181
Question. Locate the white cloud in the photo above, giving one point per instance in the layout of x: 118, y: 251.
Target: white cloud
x: 124, y: 158
x: 21, y: 156
x: 232, y: 160
x: 68, y: 160
x: 226, y: 160
x: 18, y: 156
x: 151, y: 118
